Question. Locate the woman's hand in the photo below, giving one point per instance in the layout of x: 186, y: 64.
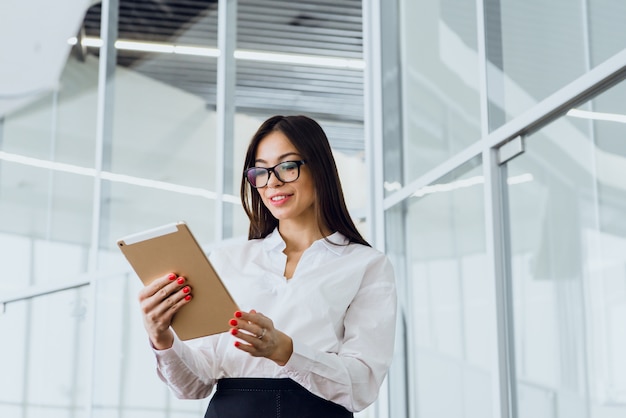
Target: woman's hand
x: 260, y: 337
x: 159, y: 301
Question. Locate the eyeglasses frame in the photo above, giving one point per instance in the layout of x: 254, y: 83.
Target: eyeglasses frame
x: 270, y: 170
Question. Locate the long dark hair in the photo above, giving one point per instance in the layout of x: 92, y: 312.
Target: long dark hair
x: 311, y: 142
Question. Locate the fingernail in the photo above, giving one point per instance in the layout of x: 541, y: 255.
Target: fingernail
x: 238, y: 314
x: 180, y: 280
x: 186, y: 289
x: 171, y: 276
x: 233, y: 322
x: 236, y: 343
x: 188, y: 297
x: 233, y: 331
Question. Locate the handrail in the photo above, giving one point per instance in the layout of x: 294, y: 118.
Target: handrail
x: 36, y: 291
x: 43, y: 290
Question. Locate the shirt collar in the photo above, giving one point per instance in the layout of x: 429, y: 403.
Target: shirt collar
x: 337, y: 244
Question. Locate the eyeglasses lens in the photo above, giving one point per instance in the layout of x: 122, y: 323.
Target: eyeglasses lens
x: 287, y: 171
x: 258, y: 177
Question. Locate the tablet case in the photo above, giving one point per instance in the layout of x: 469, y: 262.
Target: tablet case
x: 173, y: 249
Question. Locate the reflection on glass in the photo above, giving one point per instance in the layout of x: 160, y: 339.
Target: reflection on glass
x: 60, y: 125
x: 451, y: 298
x: 534, y: 48
x: 568, y: 243
x: 440, y: 83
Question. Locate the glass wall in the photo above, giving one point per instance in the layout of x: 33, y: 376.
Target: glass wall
x: 511, y: 262
x: 568, y: 276
x: 45, y: 358
x: 440, y: 84
x: 452, y: 330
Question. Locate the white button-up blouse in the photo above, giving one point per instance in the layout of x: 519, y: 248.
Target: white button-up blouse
x: 339, y: 308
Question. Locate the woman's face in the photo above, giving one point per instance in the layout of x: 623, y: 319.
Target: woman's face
x: 293, y: 202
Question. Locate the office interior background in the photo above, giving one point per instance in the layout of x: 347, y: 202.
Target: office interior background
x: 481, y: 145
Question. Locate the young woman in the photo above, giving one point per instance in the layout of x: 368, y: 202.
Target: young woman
x: 315, y: 334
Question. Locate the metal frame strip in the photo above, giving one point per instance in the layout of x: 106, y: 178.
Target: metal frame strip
x: 225, y: 108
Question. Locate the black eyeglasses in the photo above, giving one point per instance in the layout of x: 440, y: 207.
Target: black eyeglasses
x: 287, y: 171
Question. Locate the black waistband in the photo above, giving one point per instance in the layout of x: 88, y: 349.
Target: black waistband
x: 258, y: 383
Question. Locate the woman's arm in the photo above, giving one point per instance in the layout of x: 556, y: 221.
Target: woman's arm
x: 187, y: 368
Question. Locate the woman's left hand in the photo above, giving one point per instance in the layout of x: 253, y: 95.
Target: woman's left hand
x: 259, y: 338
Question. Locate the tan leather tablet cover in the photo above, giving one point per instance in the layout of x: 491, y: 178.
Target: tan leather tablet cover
x: 173, y: 249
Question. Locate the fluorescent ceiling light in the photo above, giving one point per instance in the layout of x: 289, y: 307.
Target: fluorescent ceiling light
x: 144, y: 46
x: 247, y: 55
x: 196, y: 50
x: 586, y: 114
x: 92, y: 42
x: 316, y: 60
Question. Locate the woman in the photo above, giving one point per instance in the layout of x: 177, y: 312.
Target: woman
x: 315, y: 334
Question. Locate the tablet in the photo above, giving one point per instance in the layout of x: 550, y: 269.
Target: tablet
x: 173, y: 249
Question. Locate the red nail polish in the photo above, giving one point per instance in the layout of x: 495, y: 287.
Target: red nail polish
x: 236, y: 343
x: 238, y: 314
x: 186, y: 289
x: 171, y: 276
x: 233, y: 322
x: 180, y: 280
x: 188, y: 297
x: 233, y: 331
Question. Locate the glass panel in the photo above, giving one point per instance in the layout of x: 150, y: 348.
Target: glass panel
x: 450, y: 298
x: 542, y: 48
x: 47, y: 357
x: 162, y: 127
x: 53, y: 209
x: 568, y: 244
x: 607, y: 33
x: 440, y: 83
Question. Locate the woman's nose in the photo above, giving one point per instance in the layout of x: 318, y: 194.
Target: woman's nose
x: 273, y: 181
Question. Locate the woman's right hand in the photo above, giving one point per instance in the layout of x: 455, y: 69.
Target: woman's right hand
x: 159, y: 301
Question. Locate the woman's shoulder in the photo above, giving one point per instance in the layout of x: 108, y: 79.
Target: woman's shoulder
x: 364, y: 250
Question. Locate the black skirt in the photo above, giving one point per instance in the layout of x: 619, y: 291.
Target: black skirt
x: 269, y: 398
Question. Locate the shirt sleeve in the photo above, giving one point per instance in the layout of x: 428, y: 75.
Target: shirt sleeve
x: 353, y: 376
x: 179, y: 367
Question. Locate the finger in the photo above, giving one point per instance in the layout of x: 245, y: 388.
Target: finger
x: 152, y: 295
x: 249, y: 323
x: 153, y: 287
x: 245, y: 347
x: 253, y: 317
x: 159, y: 319
x: 172, y: 303
x: 249, y: 337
